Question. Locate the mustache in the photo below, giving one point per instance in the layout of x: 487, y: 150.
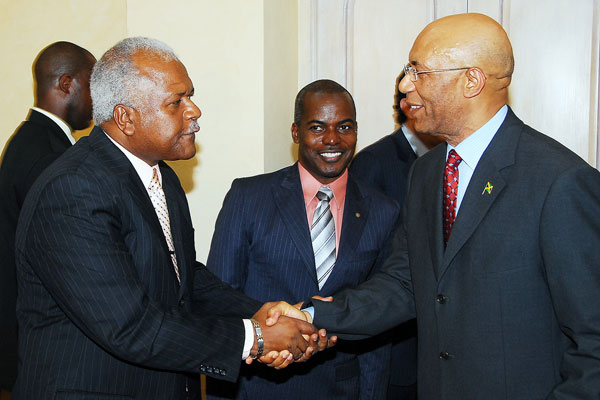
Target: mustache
x: 194, y: 127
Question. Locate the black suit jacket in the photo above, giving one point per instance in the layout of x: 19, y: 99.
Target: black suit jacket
x: 100, y: 310
x: 262, y: 247
x: 510, y: 309
x: 35, y: 145
x: 385, y: 165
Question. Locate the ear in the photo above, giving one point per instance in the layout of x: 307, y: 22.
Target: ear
x: 295, y: 133
x: 125, y: 118
x: 64, y: 83
x: 475, y: 82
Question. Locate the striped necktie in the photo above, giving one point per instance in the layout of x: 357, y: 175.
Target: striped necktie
x: 322, y: 234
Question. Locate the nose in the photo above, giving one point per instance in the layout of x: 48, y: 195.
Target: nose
x: 406, y: 85
x: 192, y: 111
x: 331, y: 136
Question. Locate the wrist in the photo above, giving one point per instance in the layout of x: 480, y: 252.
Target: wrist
x: 259, y: 340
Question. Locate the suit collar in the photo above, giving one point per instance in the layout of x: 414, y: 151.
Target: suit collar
x: 404, y: 150
x: 119, y: 166
x: 500, y: 154
x: 58, y: 138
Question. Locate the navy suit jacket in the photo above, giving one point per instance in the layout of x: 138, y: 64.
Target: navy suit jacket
x: 385, y: 165
x: 100, y: 311
x: 262, y: 246
x: 509, y: 310
x: 35, y: 145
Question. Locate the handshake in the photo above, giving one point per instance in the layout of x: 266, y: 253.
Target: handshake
x: 287, y: 335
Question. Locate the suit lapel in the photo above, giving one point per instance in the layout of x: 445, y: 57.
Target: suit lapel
x: 289, y: 199
x: 120, y: 166
x: 433, y: 206
x: 170, y: 189
x: 356, y: 212
x: 499, y: 154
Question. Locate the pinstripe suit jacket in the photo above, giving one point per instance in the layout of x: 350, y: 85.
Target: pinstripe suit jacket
x: 100, y: 311
x: 509, y: 310
x: 262, y: 246
x: 35, y: 145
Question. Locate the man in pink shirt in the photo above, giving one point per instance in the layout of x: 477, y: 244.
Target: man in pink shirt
x: 308, y: 229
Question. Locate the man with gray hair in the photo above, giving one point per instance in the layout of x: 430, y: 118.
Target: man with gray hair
x: 113, y: 303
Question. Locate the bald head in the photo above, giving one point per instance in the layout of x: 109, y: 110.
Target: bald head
x: 62, y: 79
x: 469, y: 40
x: 58, y: 59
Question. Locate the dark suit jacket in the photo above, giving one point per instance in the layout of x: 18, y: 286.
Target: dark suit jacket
x: 34, y: 146
x: 510, y: 309
x: 100, y: 311
x: 385, y: 165
x: 262, y: 247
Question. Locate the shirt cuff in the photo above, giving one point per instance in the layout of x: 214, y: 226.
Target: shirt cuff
x: 249, y: 338
x: 311, y: 311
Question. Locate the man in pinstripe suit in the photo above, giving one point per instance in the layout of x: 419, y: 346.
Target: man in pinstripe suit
x: 112, y: 303
x: 264, y: 246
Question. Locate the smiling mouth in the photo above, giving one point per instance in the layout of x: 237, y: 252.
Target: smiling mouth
x: 331, y: 156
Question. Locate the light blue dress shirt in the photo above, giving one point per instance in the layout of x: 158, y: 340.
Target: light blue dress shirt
x: 471, y: 149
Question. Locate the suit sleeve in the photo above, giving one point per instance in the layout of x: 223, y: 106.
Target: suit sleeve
x: 75, y: 246
x: 228, y: 256
x: 570, y: 236
x: 380, y: 303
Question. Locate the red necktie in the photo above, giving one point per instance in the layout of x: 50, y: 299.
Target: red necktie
x: 450, y: 192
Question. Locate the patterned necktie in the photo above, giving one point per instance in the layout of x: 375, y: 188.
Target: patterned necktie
x: 322, y: 234
x: 159, y: 202
x: 450, y: 192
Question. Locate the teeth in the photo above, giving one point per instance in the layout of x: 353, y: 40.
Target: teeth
x: 415, y: 107
x: 328, y: 155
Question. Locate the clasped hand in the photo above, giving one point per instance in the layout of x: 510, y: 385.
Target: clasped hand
x: 288, y: 334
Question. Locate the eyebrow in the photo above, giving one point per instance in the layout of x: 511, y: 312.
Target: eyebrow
x: 316, y: 121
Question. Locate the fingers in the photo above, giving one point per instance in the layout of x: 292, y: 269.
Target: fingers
x: 328, y: 299
x: 283, y: 308
x: 277, y: 360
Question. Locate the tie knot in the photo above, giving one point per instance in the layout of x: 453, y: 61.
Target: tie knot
x: 155, y: 183
x: 453, y: 158
x: 324, y: 194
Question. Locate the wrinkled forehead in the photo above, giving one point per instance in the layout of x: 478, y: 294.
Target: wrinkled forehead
x: 434, y: 48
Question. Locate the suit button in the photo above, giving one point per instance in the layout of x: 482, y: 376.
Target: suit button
x: 444, y: 355
x: 223, y: 372
x: 202, y: 368
x: 441, y: 299
x: 209, y: 370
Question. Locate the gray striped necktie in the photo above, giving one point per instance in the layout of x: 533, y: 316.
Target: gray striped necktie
x: 322, y: 234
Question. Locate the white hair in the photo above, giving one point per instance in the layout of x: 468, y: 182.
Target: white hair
x: 116, y: 80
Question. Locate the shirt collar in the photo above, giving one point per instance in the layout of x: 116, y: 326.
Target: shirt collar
x: 62, y: 124
x: 471, y: 149
x: 144, y: 171
x: 417, y: 145
x: 310, y: 186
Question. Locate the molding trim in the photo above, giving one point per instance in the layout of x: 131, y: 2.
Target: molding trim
x: 594, y: 134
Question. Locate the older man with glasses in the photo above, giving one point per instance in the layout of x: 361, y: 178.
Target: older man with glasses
x: 497, y: 256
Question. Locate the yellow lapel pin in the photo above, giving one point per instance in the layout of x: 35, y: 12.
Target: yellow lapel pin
x: 488, y: 188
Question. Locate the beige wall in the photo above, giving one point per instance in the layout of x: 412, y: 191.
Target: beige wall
x: 240, y: 54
